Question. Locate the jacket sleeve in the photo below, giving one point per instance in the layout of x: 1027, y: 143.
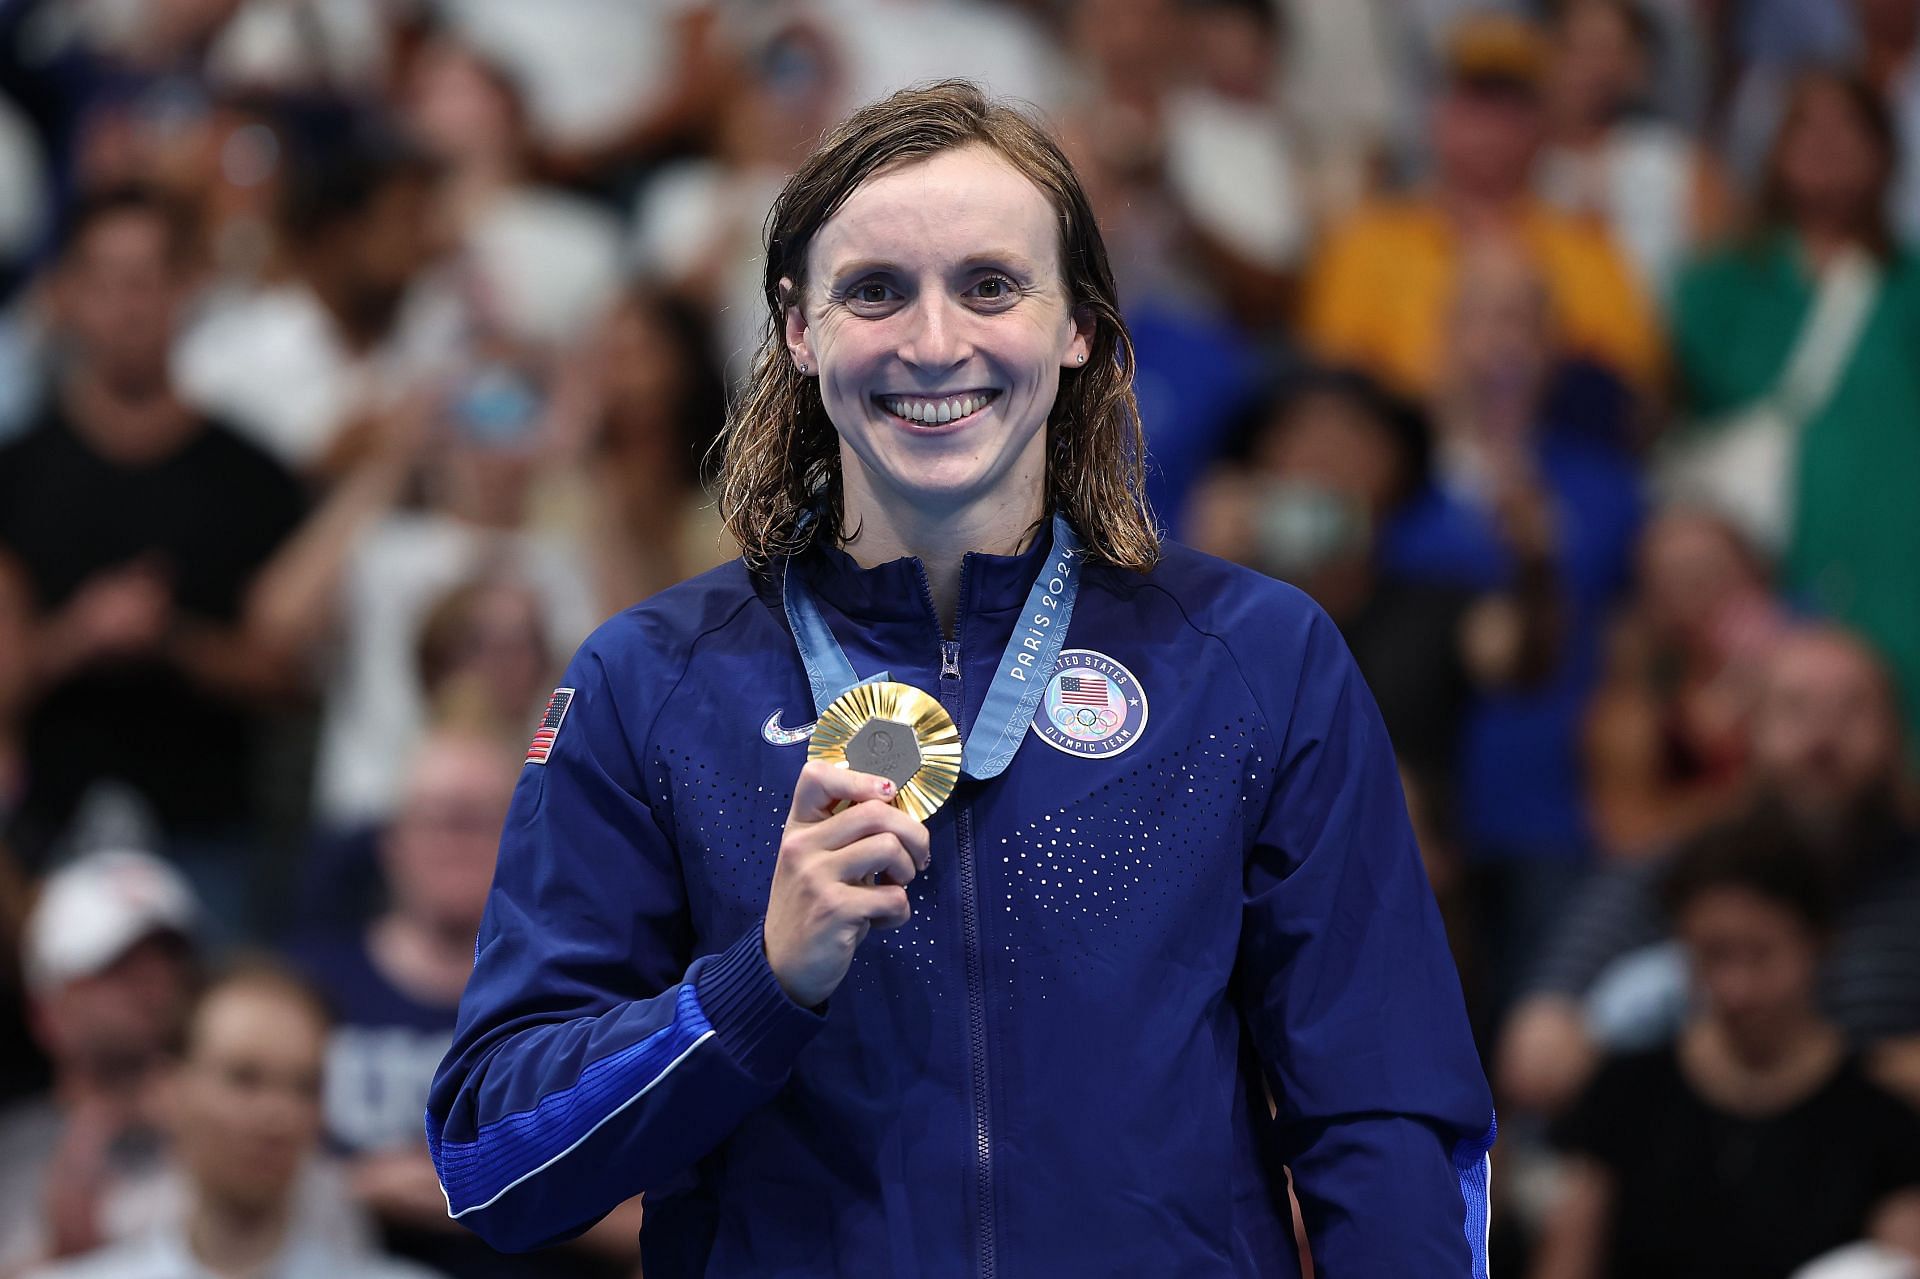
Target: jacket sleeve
x: 1350, y: 992
x: 591, y: 1060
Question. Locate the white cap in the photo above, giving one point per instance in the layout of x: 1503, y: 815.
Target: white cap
x: 92, y: 911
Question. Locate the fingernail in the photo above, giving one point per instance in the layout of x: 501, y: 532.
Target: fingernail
x: 886, y: 789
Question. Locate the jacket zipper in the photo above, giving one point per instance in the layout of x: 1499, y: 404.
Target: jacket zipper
x: 951, y: 697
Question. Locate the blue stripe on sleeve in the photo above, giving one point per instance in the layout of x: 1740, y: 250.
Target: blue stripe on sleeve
x: 1475, y: 1167
x: 516, y: 1147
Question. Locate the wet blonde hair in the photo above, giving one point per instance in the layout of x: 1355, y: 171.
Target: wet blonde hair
x: 780, y: 455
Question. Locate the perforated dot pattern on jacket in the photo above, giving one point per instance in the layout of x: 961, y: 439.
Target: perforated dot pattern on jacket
x: 1115, y: 855
x: 727, y: 823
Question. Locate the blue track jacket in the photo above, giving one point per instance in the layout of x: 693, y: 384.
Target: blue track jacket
x: 1061, y: 1065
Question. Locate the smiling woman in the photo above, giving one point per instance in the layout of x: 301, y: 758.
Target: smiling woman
x: 937, y: 249
x: 1017, y: 974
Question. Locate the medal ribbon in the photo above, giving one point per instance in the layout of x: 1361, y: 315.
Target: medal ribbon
x: 1018, y: 683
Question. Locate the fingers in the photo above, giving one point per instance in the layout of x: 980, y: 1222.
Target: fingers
x: 883, y: 906
x: 877, y: 859
x: 873, y: 817
x: 822, y: 785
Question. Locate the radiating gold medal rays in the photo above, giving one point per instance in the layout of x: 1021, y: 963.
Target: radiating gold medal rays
x: 894, y: 731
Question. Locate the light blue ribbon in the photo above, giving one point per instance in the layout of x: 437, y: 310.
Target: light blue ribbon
x: 1019, y: 682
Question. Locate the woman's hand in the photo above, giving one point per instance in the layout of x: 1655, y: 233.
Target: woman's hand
x: 845, y: 862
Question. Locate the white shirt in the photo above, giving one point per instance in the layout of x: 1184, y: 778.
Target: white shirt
x: 272, y: 363
x: 374, y: 711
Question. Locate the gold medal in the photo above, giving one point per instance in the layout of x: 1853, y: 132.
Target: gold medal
x: 897, y: 732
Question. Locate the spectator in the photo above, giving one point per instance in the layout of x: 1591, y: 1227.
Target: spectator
x: 697, y: 222
x: 544, y: 264
x: 651, y: 403
x: 1666, y: 734
x: 1508, y: 484
x: 109, y: 963
x: 1379, y: 289
x: 1655, y: 190
x: 1333, y: 462
x: 483, y: 657
x: 1754, y: 1142
x: 395, y: 988
x: 359, y: 578
x: 241, y: 1109
x: 314, y: 365
x: 1826, y: 757
x: 1234, y: 161
x: 1806, y: 428
x: 142, y: 524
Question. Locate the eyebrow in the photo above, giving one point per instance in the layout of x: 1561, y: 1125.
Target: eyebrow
x: 1006, y: 259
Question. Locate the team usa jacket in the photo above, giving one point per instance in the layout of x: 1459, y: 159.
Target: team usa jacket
x: 1184, y: 940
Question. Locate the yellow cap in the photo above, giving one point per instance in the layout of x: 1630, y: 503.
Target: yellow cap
x: 1497, y: 47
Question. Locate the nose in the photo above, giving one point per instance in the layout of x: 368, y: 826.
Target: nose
x: 936, y: 341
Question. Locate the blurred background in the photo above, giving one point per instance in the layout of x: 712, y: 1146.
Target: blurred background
x: 358, y: 356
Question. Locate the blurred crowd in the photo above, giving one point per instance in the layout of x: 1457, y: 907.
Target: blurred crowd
x: 358, y: 356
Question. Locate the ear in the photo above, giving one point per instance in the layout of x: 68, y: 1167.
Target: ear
x: 1080, y: 345
x: 799, y: 337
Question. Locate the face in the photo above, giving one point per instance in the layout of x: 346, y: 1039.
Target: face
x: 1598, y: 65
x: 1332, y: 443
x: 1485, y: 140
x: 937, y: 320
x: 245, y: 1102
x: 117, y: 296
x: 110, y: 1027
x: 1691, y: 572
x: 1754, y: 964
x: 1825, y: 734
x: 456, y: 107
x: 1829, y: 164
x: 440, y: 850
x: 1497, y: 341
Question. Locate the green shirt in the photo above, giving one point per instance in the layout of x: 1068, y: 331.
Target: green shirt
x: 1855, y: 546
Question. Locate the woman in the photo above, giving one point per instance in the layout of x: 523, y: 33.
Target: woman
x: 1657, y: 192
x: 1742, y: 322
x: 1753, y: 1143
x: 1665, y: 735
x: 1032, y: 1034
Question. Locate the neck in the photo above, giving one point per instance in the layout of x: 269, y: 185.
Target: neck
x: 133, y: 424
x: 429, y: 962
x: 235, y: 1241
x: 1755, y: 1078
x: 998, y: 524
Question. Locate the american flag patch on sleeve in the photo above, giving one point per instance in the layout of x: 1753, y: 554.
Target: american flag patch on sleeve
x: 549, y: 729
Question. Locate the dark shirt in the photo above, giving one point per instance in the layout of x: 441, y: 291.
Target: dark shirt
x: 1699, y: 1191
x: 209, y: 514
x: 1406, y: 641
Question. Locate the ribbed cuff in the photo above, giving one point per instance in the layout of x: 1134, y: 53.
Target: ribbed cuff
x: 753, y: 1019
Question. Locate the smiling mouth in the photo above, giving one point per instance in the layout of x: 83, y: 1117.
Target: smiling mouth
x: 928, y: 410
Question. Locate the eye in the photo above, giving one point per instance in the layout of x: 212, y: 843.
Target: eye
x: 995, y: 288
x: 871, y: 292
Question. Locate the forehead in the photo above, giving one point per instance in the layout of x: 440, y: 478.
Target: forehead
x: 255, y: 1024
x: 940, y: 211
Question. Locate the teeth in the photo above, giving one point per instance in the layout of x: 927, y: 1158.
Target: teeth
x: 934, y: 412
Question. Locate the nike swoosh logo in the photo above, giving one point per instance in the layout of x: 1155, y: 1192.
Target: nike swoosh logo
x: 778, y: 736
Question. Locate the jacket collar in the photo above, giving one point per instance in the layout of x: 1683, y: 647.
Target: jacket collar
x: 898, y: 590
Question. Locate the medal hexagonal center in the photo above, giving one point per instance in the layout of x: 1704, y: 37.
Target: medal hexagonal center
x: 885, y: 748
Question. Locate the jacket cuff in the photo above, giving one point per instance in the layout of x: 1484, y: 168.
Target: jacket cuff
x: 755, y: 1022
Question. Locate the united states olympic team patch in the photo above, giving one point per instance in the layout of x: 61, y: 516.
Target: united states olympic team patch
x: 549, y: 729
x: 1093, y: 706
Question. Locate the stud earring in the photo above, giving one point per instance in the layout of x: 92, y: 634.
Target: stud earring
x: 1080, y: 358
x: 803, y: 366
